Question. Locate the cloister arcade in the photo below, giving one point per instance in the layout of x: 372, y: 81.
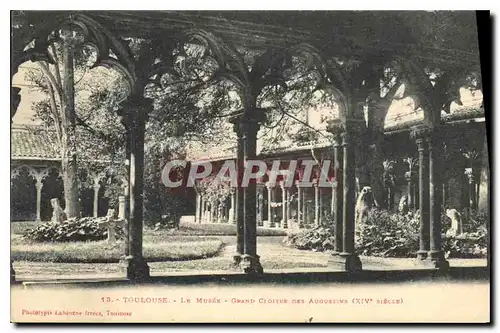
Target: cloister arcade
x: 347, y: 54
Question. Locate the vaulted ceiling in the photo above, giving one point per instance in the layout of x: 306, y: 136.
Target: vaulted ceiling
x: 436, y: 37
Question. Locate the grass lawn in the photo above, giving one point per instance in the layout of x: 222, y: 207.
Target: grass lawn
x: 222, y: 229
x: 19, y: 227
x: 102, y: 252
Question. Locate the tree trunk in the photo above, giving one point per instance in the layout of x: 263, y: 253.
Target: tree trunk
x: 69, y: 163
x: 70, y: 183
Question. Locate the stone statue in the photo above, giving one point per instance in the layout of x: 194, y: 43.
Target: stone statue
x: 58, y: 214
x: 403, y: 205
x: 456, y: 222
x: 364, y: 204
x: 220, y: 212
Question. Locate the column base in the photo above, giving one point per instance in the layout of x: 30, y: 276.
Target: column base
x: 12, y: 273
x: 346, y: 262
x: 38, y: 220
x: 422, y: 254
x: 251, y: 264
x: 237, y: 259
x: 437, y: 260
x: 136, y: 268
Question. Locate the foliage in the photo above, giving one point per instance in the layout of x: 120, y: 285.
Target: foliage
x: 385, y: 234
x: 388, y: 235
x: 316, y: 239
x: 476, y: 221
x: 71, y: 230
x: 466, y: 245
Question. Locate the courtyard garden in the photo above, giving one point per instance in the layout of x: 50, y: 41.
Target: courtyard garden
x: 386, y: 241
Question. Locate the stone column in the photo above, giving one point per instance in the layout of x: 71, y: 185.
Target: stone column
x: 232, y: 217
x: 249, y: 124
x: 124, y: 115
x: 269, y: 207
x: 338, y: 210
x: 352, y: 262
x: 471, y: 188
x: 239, y: 199
x: 300, y: 221
x: 135, y: 264
x: 284, y: 205
x: 305, y: 219
x: 39, y: 186
x: 197, y: 209
x: 332, y: 201
x: 420, y: 134
x: 260, y: 204
x: 445, y: 195
x: 316, y: 204
x: 97, y: 186
x: 121, y: 207
x: 435, y: 195
x: 289, y: 217
x: 213, y: 211
x: 409, y: 181
x: 204, y: 209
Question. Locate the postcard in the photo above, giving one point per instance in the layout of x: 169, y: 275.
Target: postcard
x: 250, y: 166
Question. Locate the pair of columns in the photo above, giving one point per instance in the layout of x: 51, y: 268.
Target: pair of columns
x: 203, y: 214
x: 39, y: 176
x: 133, y: 116
x: 301, y: 205
x: 430, y: 196
x: 246, y: 124
x: 344, y: 255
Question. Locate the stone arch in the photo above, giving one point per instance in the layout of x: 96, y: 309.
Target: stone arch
x: 23, y: 193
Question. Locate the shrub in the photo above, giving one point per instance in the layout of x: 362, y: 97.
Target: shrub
x: 75, y: 229
x: 385, y: 234
x: 466, y: 245
x: 388, y: 235
x: 317, y: 239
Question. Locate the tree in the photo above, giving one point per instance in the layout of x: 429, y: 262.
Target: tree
x: 77, y: 112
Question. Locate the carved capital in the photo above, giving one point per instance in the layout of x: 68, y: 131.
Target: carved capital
x: 346, y: 138
x: 469, y: 172
x: 247, y: 121
x: 335, y: 127
x: 421, y: 132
